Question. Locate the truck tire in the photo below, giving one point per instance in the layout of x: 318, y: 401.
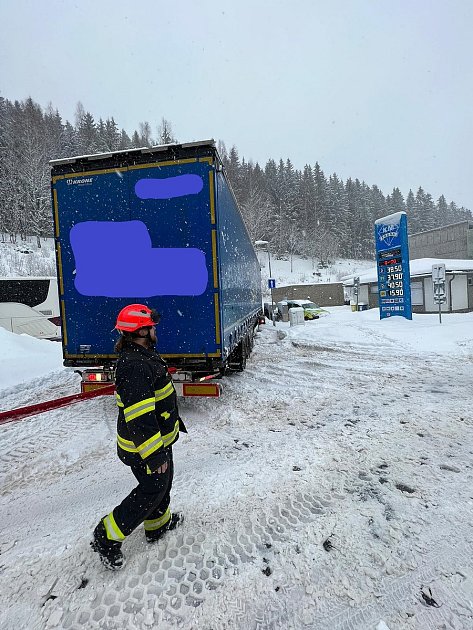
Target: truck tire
x: 251, y: 340
x: 243, y: 354
x: 239, y: 356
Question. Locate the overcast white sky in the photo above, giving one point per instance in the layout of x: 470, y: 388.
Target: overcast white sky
x: 375, y: 89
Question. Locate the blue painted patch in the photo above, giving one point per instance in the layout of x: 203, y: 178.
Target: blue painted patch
x: 169, y: 187
x: 117, y: 259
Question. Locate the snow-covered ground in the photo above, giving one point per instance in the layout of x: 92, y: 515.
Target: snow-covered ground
x: 305, y: 271
x: 329, y: 488
x: 25, y: 258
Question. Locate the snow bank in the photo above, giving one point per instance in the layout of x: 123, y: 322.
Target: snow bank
x: 422, y: 334
x: 24, y: 358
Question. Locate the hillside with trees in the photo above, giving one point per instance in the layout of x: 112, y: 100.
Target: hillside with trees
x: 299, y: 212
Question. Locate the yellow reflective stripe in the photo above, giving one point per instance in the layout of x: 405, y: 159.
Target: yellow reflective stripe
x: 139, y: 413
x: 126, y: 445
x: 166, y: 391
x: 119, y: 400
x: 139, y: 408
x: 157, y: 523
x: 169, y: 437
x: 112, y: 529
x: 150, y: 446
x: 146, y: 401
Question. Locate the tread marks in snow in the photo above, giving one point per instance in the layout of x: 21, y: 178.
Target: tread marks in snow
x: 185, y: 572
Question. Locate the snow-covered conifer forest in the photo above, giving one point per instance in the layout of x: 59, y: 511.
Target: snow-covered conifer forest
x: 302, y: 212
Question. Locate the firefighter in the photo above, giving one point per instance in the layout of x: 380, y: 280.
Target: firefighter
x: 148, y: 425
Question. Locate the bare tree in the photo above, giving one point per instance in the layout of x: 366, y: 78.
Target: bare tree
x: 256, y: 210
x: 165, y: 132
x: 79, y: 114
x: 145, y: 134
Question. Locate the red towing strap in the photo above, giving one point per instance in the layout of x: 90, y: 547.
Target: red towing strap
x: 24, y: 412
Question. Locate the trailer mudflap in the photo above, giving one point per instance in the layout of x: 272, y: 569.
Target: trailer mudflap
x: 192, y: 390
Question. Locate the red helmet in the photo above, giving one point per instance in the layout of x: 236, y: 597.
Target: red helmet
x: 135, y: 316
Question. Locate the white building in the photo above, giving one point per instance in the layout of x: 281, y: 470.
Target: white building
x: 458, y: 280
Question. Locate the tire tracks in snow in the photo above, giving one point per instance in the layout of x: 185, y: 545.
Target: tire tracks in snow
x: 250, y: 555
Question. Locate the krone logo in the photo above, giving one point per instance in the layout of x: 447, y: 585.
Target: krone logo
x: 79, y: 182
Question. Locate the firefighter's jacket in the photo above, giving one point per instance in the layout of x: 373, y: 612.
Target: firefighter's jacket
x: 148, y: 418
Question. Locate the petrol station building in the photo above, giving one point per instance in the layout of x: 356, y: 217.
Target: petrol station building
x: 458, y: 281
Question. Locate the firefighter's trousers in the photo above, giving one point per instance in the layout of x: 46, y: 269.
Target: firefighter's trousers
x: 148, y: 503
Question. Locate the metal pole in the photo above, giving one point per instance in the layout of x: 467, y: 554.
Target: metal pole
x: 357, y: 289
x: 272, y: 297
x: 440, y: 304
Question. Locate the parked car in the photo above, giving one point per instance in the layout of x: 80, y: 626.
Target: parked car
x: 311, y: 310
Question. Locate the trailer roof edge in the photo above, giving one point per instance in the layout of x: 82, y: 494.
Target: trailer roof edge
x: 152, y: 149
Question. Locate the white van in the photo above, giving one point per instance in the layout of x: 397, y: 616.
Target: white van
x: 39, y: 293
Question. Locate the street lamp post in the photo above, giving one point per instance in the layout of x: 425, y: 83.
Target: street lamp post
x: 262, y: 243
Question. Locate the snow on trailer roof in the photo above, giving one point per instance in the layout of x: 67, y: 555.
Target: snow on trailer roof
x: 418, y: 267
x: 153, y: 149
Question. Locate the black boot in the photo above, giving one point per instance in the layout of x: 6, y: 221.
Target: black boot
x: 109, y: 550
x: 176, y: 519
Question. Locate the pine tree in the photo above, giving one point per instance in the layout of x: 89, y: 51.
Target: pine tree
x: 395, y: 202
x: 442, y: 211
x: 87, y: 138
x: 111, y: 136
x: 430, y: 220
x: 125, y: 141
x: 321, y: 198
x: 233, y: 172
x: 411, y: 212
x: 136, y: 140
x: 69, y: 141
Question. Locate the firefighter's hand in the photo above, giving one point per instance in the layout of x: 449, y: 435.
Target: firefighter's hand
x: 162, y: 469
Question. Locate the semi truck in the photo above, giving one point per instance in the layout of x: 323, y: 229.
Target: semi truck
x: 160, y: 226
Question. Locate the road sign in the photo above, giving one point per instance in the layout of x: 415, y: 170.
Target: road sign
x: 438, y: 273
x: 271, y: 283
x: 440, y: 294
x: 392, y: 254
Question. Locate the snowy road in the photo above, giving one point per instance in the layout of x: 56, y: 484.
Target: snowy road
x: 347, y: 430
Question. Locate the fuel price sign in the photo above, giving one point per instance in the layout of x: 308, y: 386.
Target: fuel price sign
x: 392, y: 254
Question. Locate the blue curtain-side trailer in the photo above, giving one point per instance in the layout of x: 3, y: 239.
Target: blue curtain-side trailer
x: 159, y: 226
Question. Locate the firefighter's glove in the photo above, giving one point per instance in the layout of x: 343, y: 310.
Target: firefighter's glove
x: 160, y: 461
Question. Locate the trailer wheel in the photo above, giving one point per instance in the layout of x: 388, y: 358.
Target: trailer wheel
x: 243, y: 354
x: 239, y: 356
x: 250, y: 340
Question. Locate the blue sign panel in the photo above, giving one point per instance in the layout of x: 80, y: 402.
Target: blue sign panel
x: 392, y: 257
x: 271, y: 283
